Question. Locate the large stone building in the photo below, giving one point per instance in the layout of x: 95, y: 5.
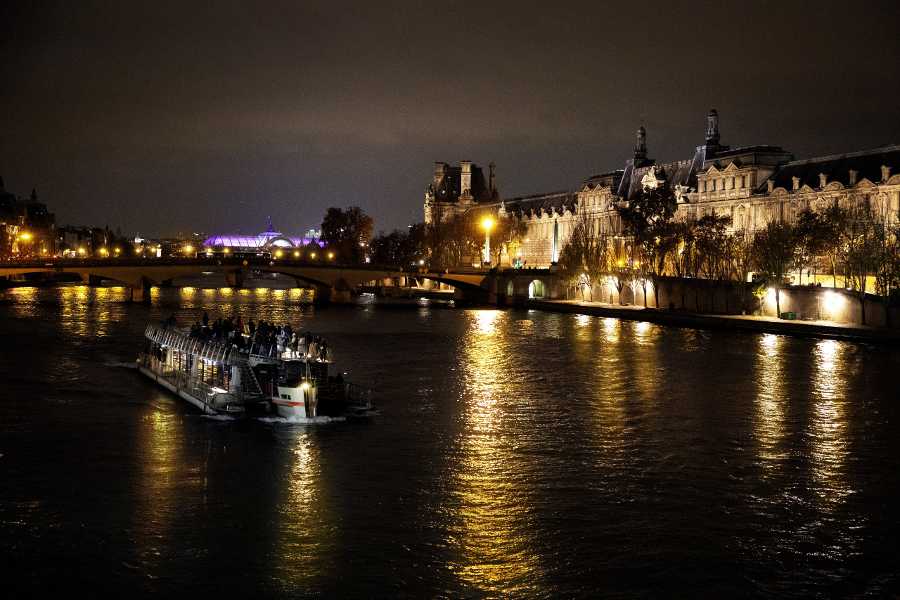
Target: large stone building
x: 26, y: 226
x: 753, y: 185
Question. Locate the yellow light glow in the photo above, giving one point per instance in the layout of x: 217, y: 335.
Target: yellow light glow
x: 82, y: 251
x: 25, y: 236
x: 279, y: 254
x: 487, y: 223
x: 226, y: 250
x: 304, y: 386
x: 313, y: 255
x: 117, y: 250
x: 104, y: 252
x: 330, y: 255
x: 833, y: 302
x: 188, y: 249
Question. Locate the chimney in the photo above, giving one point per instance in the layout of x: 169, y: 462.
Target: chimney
x: 712, y: 128
x: 823, y: 180
x: 885, y: 173
x: 770, y: 185
x: 795, y: 182
x: 465, y: 178
x: 853, y: 174
x: 440, y: 169
x: 640, y: 146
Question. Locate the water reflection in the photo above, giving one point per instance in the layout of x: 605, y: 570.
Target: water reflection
x: 829, y: 422
x: 303, y: 516
x: 158, y: 497
x: 769, y: 426
x: 90, y: 311
x: 491, y: 534
x: 611, y: 328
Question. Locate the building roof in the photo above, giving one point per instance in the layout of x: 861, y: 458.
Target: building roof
x: 837, y: 167
x: 553, y: 201
x: 262, y: 241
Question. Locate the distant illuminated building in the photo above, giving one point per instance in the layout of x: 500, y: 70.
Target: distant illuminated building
x: 265, y: 243
x: 751, y: 185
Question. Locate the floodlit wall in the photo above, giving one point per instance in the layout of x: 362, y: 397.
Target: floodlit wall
x: 728, y: 297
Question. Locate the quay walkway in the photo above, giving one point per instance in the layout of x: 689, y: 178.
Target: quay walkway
x: 818, y: 329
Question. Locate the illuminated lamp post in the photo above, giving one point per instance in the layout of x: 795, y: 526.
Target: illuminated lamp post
x: 188, y: 250
x: 487, y: 224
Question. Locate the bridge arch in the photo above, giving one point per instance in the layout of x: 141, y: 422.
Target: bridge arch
x: 537, y: 289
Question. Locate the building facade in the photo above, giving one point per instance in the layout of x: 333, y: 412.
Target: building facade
x: 753, y: 185
x: 27, y: 228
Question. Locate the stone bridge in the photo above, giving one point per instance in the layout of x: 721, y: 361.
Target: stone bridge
x: 333, y: 283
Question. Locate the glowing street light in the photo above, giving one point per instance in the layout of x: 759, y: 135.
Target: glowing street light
x: 330, y: 255
x: 296, y: 254
x: 25, y: 236
x: 487, y: 224
x: 104, y: 252
x: 279, y: 254
x: 312, y: 255
x: 188, y: 249
x: 81, y: 251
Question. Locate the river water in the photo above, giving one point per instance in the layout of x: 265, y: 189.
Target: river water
x: 516, y: 454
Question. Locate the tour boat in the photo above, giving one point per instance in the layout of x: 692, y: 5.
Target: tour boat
x: 221, y: 378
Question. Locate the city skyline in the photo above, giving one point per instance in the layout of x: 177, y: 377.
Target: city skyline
x: 217, y: 120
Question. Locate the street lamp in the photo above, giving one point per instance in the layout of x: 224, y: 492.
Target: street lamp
x: 487, y: 224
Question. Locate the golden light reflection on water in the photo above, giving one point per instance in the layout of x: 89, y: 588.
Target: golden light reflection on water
x: 491, y: 534
x: 159, y: 492
x: 642, y: 329
x: 611, y: 329
x: 829, y: 425
x: 303, y: 517
x: 769, y: 427
x: 89, y: 311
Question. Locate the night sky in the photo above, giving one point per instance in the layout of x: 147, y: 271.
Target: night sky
x: 158, y: 117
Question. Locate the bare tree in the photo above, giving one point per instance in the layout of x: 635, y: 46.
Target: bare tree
x: 773, y: 252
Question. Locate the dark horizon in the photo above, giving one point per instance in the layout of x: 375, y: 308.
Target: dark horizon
x: 165, y: 118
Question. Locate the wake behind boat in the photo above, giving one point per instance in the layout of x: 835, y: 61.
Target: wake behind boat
x: 255, y: 376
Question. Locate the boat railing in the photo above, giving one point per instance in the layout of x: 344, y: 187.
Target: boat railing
x: 172, y: 337
x: 186, y: 382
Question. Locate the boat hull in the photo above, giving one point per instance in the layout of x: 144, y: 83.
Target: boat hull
x: 198, y: 402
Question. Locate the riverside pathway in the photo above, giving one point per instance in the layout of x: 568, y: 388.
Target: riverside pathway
x: 820, y: 329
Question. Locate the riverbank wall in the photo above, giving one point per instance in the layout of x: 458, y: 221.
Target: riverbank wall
x: 753, y: 324
x: 709, y: 297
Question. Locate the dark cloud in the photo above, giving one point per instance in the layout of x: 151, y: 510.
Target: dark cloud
x: 166, y: 116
